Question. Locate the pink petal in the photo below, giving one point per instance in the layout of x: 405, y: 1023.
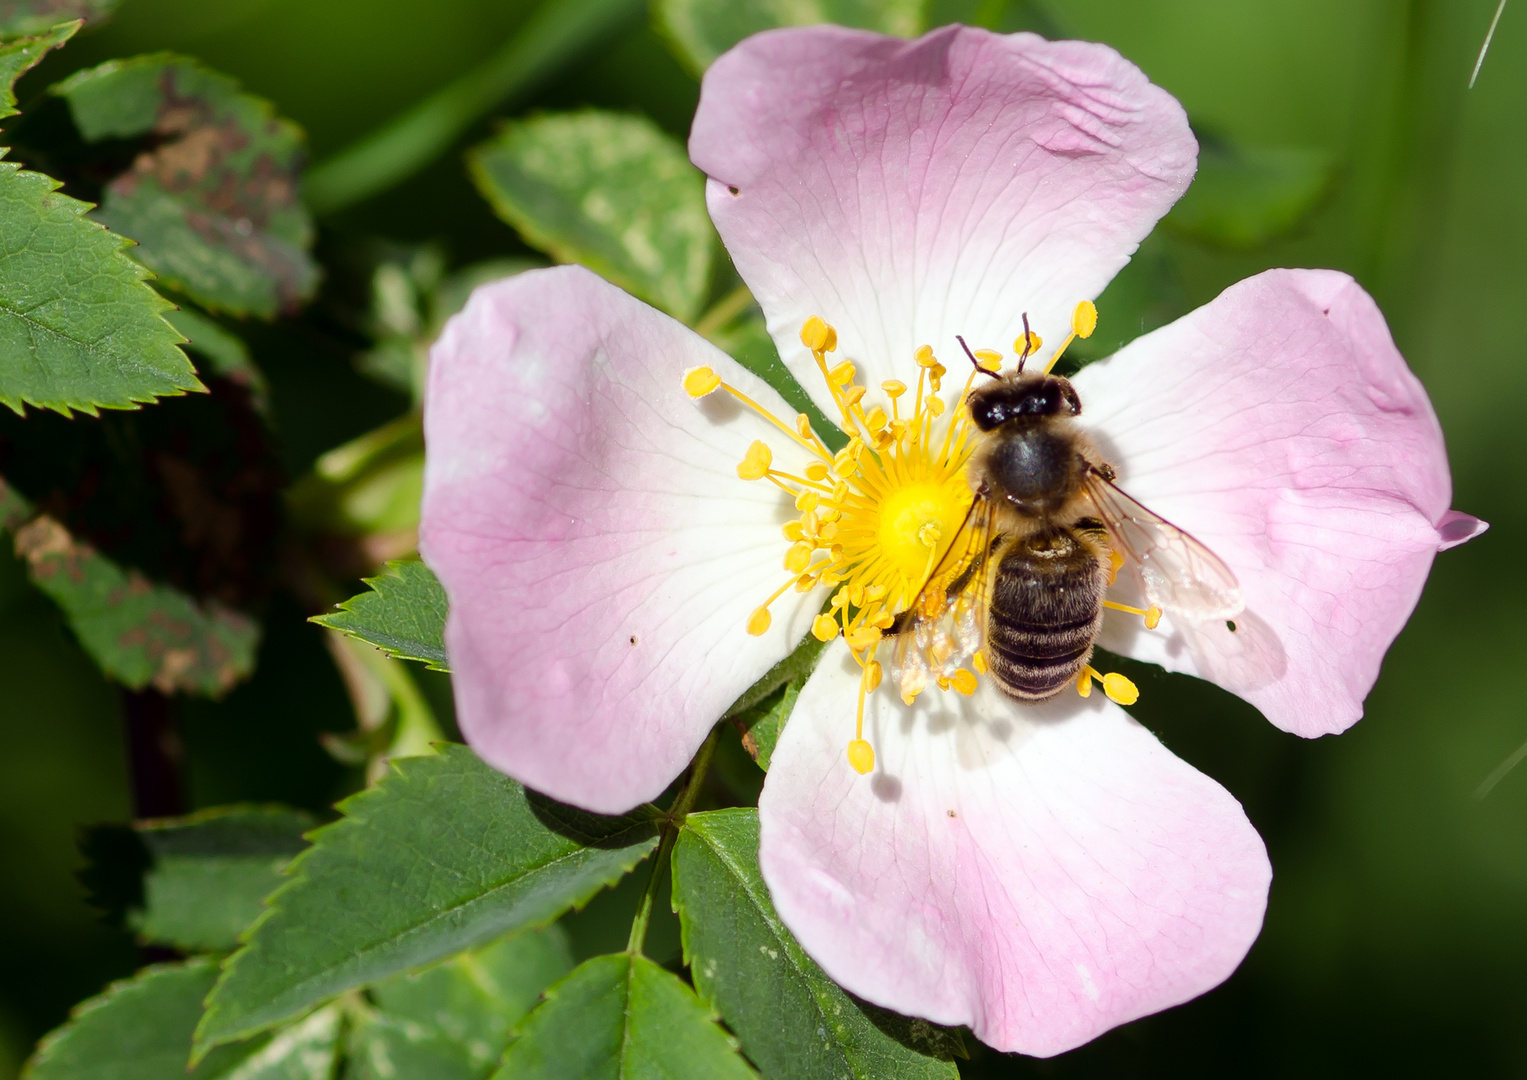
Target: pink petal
x: 1279, y: 425
x: 1041, y: 874
x: 907, y: 192
x: 600, y: 553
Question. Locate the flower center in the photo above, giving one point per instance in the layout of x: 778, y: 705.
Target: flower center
x: 880, y: 518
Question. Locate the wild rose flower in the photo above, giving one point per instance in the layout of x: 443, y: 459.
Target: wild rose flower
x: 1040, y: 873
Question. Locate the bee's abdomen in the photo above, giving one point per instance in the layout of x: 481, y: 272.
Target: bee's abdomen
x: 1046, y: 610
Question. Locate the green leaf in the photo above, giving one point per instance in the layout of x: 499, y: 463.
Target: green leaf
x: 443, y: 854
x: 383, y: 1047
x: 79, y: 326
x: 215, y: 205
x: 1245, y: 196
x: 20, y: 56
x: 140, y: 1029
x: 403, y: 614
x: 36, y: 16
x: 613, y: 192
x: 794, y: 1022
x: 621, y: 1017
x: 226, y: 354
x: 139, y: 633
x: 762, y: 724
x: 208, y: 873
x: 796, y: 667
x: 460, y: 1013
x: 698, y: 31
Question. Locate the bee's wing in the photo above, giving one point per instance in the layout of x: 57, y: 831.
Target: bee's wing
x: 943, y: 628
x: 1180, y: 574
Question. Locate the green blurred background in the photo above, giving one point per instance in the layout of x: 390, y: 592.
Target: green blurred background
x: 1396, y: 938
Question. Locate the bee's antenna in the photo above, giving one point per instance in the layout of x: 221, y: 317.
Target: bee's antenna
x: 973, y: 359
x: 1028, y: 342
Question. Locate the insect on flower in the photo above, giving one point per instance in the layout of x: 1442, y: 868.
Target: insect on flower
x: 633, y: 529
x: 1014, y: 587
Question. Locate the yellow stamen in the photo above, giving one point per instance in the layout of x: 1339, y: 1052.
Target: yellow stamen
x: 755, y: 464
x: 817, y: 336
x: 964, y: 682
x: 1152, y: 614
x: 861, y: 755
x: 1027, y: 344
x: 978, y: 661
x: 824, y: 628
x: 758, y: 622
x: 700, y: 381
x: 989, y: 360
x: 1119, y: 689
x: 1084, y: 320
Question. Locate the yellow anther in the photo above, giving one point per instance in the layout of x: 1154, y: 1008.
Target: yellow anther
x: 862, y: 637
x: 861, y: 755
x: 817, y: 336
x: 852, y: 396
x: 827, y: 531
x: 978, y: 661
x: 935, y: 373
x: 816, y: 471
x: 894, y: 388
x: 809, y: 522
x: 929, y: 533
x: 846, y: 461
x: 924, y: 357
x: 758, y: 622
x: 1084, y: 320
x: 856, y: 595
x: 798, y: 557
x: 843, y: 374
x: 805, y: 583
x: 964, y: 682
x: 824, y: 628
x: 700, y: 381
x: 794, y: 531
x: 826, y: 514
x: 912, y: 683
x: 755, y: 466
x: 941, y: 650
x: 807, y: 500
x: 1027, y: 344
x: 936, y: 405
x: 1084, y: 682
x: 876, y: 418
x: 988, y: 359
x: 840, y: 598
x: 1115, y: 564
x: 1151, y: 615
x: 1120, y: 690
x: 884, y: 621
x: 873, y: 593
x: 873, y: 673
x: 803, y: 425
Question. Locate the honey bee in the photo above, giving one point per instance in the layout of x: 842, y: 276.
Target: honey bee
x: 1021, y: 591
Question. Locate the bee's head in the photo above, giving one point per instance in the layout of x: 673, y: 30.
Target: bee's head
x: 1022, y: 397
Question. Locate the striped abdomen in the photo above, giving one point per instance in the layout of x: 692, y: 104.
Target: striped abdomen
x: 1046, y: 609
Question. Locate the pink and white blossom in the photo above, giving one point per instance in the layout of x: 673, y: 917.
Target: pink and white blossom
x: 1038, y: 873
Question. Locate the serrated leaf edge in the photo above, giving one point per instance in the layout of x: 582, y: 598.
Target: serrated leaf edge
x: 202, y: 1043
x: 143, y: 274
x: 112, y: 993
x: 392, y: 572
